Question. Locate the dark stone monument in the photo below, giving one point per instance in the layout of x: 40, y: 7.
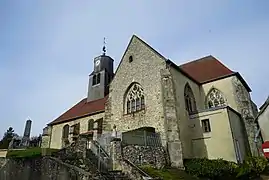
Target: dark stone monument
x: 26, y: 135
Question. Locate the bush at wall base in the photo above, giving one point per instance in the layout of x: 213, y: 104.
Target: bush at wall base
x: 221, y: 169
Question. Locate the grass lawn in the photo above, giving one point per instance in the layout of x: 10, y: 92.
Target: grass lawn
x: 27, y: 153
x: 168, y: 174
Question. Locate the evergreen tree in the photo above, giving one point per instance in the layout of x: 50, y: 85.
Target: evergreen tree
x: 9, y: 134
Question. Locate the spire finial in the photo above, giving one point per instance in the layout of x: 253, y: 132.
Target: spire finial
x: 104, y: 47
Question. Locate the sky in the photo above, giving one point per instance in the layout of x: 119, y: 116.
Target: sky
x: 47, y: 47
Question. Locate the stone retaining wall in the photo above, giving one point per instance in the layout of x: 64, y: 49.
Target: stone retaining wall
x: 2, y: 161
x: 145, y: 155
x: 46, y: 168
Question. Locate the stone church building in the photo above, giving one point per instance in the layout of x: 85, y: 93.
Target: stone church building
x: 199, y: 109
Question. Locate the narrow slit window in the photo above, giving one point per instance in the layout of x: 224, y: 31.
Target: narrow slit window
x: 190, y: 103
x: 206, y: 125
x: 94, y: 80
x: 98, y: 78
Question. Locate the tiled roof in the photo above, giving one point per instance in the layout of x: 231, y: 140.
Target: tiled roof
x: 206, y: 69
x: 83, y: 108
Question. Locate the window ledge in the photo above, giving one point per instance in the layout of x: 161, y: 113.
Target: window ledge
x: 207, y: 134
x: 96, y: 85
x: 136, y: 112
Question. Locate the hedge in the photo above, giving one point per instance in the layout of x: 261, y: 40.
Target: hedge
x: 221, y: 169
x: 27, y: 153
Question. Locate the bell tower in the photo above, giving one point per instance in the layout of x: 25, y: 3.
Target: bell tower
x: 101, y: 76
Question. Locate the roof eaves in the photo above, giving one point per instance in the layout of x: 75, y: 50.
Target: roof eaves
x: 263, y: 107
x: 75, y: 117
x: 168, y: 61
x: 218, y: 78
x: 243, y: 81
x: 229, y: 75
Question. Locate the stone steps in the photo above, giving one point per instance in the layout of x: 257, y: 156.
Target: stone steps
x: 116, y: 175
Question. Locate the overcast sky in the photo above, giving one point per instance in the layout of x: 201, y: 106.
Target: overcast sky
x: 47, y: 47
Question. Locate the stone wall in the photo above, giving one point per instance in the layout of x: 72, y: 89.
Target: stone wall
x: 46, y: 168
x: 144, y: 70
x: 124, y: 163
x: 172, y: 123
x: 56, y: 132
x: 145, y: 155
x: 2, y: 161
x: 76, y: 154
x: 245, y: 107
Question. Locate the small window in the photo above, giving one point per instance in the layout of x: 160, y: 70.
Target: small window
x: 75, y: 129
x: 206, y: 125
x: 140, y: 159
x: 130, y: 58
x: 96, y: 79
x: 90, y: 124
x: 65, y: 131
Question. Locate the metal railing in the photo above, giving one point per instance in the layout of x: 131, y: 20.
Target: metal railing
x: 103, y: 160
x: 139, y: 170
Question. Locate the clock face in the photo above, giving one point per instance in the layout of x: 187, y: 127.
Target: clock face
x: 97, y: 62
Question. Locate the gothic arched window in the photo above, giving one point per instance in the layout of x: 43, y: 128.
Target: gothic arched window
x: 190, y: 102
x: 134, y: 99
x: 215, y: 98
x: 90, y: 124
x: 65, y: 131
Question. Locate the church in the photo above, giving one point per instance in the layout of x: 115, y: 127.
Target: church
x: 198, y: 109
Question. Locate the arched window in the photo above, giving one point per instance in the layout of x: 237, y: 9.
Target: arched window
x: 90, y: 124
x: 134, y: 98
x: 190, y: 102
x: 215, y: 98
x: 65, y: 131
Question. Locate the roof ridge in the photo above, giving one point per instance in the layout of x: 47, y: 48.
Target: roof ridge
x: 200, y: 59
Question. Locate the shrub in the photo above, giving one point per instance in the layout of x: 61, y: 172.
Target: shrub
x: 211, y: 168
x: 253, y: 167
x: 167, y: 173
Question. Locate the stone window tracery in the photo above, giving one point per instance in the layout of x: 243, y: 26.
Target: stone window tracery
x: 134, y: 100
x: 215, y: 98
x: 190, y: 102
